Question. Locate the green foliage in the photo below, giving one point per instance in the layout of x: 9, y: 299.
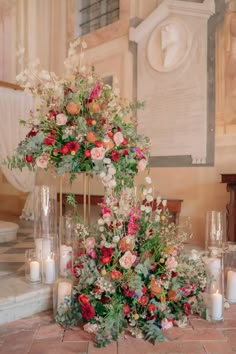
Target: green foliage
x: 152, y: 332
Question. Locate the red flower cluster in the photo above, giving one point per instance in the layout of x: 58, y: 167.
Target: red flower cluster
x: 72, y: 147
x: 87, y: 310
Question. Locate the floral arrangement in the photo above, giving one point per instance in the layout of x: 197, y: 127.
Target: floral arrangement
x: 80, y: 125
x: 134, y: 274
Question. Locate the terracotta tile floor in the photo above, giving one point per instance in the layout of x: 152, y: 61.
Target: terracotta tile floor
x: 39, y: 334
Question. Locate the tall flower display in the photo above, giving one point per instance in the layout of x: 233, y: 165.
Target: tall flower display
x: 79, y: 125
x: 134, y: 275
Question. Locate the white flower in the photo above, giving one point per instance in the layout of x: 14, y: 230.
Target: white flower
x: 148, y: 209
x: 107, y: 161
x: 61, y: 119
x: 116, y: 239
x: 101, y: 221
x: 143, y: 208
x: 101, y: 229
x: 91, y: 327
x: 164, y: 203
x: 127, y: 260
x: 165, y: 324
x: 148, y: 179
x: 149, y: 198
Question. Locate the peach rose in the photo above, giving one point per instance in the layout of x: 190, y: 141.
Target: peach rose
x: 154, y: 287
x: 91, y: 137
x: 61, y: 119
x: 172, y: 295
x: 142, y: 165
x: 98, y: 153
x: 94, y: 107
x: 126, y: 244
x: 118, y: 138
x: 127, y: 260
x: 108, y: 143
x: 73, y: 108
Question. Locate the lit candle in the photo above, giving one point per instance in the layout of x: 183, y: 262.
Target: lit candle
x: 64, y: 289
x: 34, y: 271
x: 65, y: 258
x: 49, y: 270
x: 217, y: 306
x: 231, y: 286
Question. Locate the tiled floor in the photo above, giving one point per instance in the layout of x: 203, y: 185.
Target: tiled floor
x: 39, y: 334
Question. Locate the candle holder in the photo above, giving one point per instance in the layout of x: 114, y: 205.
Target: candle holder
x: 32, y: 266
x: 215, y: 290
x: 49, y: 263
x: 62, y: 291
x: 230, y: 271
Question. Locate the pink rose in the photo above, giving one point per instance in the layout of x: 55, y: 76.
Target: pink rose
x: 127, y: 260
x: 42, y: 161
x: 98, y: 153
x: 90, y: 242
x: 118, y: 138
x: 171, y: 263
x: 61, y: 119
x: 142, y: 165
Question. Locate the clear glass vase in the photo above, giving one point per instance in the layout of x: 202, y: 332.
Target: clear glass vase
x: 66, y: 252
x: 62, y: 292
x: 230, y: 271
x: 215, y: 290
x: 32, y: 266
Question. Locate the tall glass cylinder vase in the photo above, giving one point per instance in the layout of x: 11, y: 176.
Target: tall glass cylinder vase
x: 45, y: 219
x: 230, y: 271
x: 215, y: 290
x: 66, y: 236
x: 215, y: 231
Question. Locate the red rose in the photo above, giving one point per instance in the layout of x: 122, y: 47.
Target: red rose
x: 49, y: 140
x: 87, y: 153
x: 110, y: 134
x: 64, y: 149
x: 105, y: 299
x: 115, y: 274
x: 151, y: 308
x: 29, y: 158
x: 144, y: 290
x: 125, y: 152
x: 174, y: 274
x: 89, y: 121
x: 52, y: 114
x: 83, y: 299
x: 115, y: 155
x: 106, y: 259
x: 99, y: 143
x: 143, y: 300
x: 87, y: 311
x: 107, y: 251
x: 53, y: 131
x: 187, y: 308
x: 73, y: 147
x: 124, y: 142
x: 126, y: 309
x: 32, y: 132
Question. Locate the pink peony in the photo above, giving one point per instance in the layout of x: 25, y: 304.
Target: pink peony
x: 127, y: 260
x: 171, y: 263
x: 90, y: 242
x: 118, y: 138
x: 61, y: 119
x: 142, y: 165
x: 42, y: 161
x: 98, y: 153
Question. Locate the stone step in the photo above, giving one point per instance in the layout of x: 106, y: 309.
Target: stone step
x: 19, y: 299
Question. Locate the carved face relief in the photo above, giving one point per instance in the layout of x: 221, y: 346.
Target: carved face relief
x: 169, y: 45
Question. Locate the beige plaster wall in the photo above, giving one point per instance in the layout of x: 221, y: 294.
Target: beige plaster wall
x: 198, y: 187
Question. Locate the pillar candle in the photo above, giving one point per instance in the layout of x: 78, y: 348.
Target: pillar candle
x: 64, y: 289
x: 65, y: 258
x: 231, y: 286
x: 50, y: 272
x: 34, y: 271
x: 216, y: 306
